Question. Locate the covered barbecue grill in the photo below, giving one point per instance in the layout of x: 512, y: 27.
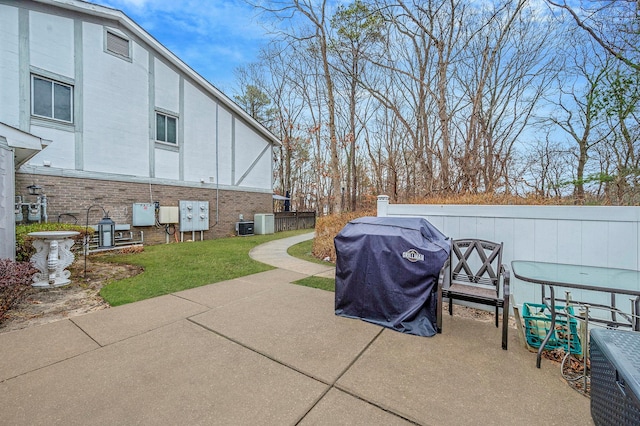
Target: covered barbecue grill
x: 387, y: 271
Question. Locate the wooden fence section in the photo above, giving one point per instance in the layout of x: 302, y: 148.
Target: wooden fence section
x: 287, y: 221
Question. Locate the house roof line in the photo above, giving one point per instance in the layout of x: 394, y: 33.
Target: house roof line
x: 122, y: 18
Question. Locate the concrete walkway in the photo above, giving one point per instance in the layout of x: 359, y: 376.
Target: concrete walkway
x: 260, y: 350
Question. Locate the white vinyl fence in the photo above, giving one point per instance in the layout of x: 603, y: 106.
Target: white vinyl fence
x: 582, y: 235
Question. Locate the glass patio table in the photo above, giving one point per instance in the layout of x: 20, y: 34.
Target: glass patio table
x: 592, y: 278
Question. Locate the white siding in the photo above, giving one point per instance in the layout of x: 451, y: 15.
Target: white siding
x: 167, y: 164
x: 61, y: 151
x: 249, y: 146
x: 9, y: 66
x: 167, y: 87
x: 224, y: 147
x: 51, y: 41
x: 199, y: 149
x: 116, y: 108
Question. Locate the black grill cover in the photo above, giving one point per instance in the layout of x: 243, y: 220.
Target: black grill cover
x: 387, y: 272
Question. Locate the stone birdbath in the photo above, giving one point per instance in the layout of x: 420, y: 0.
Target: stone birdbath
x: 52, y: 256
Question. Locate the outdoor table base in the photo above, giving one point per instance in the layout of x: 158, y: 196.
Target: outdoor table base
x: 590, y: 278
x: 52, y: 257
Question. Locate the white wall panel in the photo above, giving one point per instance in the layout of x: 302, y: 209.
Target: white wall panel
x: 524, y: 239
x: 260, y: 175
x: 546, y: 240
x: 9, y: 66
x: 594, y: 234
x: 224, y: 146
x: 486, y: 228
x: 468, y: 228
x: 116, y: 108
x: 523, y: 244
x: 199, y: 148
x: 60, y: 153
x: 569, y: 241
x: 249, y: 145
x: 51, y: 42
x: 504, y: 231
x: 438, y: 222
x: 623, y: 255
x: 167, y: 87
x: 449, y: 223
x: 167, y: 164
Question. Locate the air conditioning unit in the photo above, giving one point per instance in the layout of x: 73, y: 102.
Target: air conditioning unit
x: 264, y: 223
x: 244, y: 228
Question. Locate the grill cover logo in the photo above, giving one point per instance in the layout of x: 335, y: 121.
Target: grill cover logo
x: 412, y: 255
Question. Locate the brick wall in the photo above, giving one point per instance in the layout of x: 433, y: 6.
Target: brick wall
x: 74, y: 196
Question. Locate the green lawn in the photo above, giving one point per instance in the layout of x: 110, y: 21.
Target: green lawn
x: 328, y: 284
x: 303, y: 251
x: 173, y: 267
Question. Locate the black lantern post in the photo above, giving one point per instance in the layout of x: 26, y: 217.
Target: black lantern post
x: 106, y: 232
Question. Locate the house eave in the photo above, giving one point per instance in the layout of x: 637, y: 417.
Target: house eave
x: 24, y: 144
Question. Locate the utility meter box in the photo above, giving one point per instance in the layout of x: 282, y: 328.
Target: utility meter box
x: 194, y: 216
x: 144, y: 214
x: 263, y: 223
x: 168, y: 214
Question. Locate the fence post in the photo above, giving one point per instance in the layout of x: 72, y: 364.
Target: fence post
x: 383, y: 205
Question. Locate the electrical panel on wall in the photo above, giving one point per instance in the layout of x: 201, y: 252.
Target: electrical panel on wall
x: 194, y: 216
x: 144, y: 214
x: 168, y: 214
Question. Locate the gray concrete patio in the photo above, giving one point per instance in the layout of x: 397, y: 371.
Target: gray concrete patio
x: 260, y: 350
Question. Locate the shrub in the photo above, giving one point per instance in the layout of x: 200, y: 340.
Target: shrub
x: 15, y: 283
x: 24, y: 246
x: 131, y: 249
x: 327, y: 227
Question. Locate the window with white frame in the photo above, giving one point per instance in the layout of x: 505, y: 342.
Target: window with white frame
x: 166, y: 128
x: 51, y: 99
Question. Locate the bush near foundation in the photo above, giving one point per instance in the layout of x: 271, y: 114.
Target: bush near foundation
x: 15, y: 283
x: 24, y: 246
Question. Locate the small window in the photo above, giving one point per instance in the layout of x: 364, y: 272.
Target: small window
x: 117, y: 45
x: 51, y: 99
x: 166, y: 128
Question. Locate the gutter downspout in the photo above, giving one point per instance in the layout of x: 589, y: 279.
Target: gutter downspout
x: 217, y: 174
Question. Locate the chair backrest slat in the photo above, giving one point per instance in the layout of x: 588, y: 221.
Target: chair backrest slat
x: 476, y: 262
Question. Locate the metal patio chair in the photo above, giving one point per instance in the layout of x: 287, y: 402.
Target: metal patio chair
x: 475, y: 273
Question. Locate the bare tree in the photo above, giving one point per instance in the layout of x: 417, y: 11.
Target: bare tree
x: 614, y: 25
x: 548, y: 166
x: 412, y: 97
x: 357, y: 28
x: 507, y: 67
x: 313, y: 32
x: 576, y: 112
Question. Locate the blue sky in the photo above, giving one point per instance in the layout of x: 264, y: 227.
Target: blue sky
x: 212, y: 36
